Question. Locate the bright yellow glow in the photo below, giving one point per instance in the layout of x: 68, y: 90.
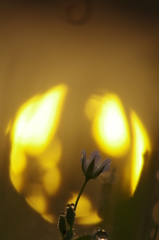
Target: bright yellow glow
x: 110, y: 128
x: 51, y: 180
x: 17, y: 180
x: 37, y: 120
x: 84, y: 213
x: 92, y: 106
x: 84, y: 207
x: 90, y: 219
x: 35, y: 149
x: 140, y: 146
x: 50, y: 218
x: 16, y: 165
x: 38, y: 203
x: 49, y: 158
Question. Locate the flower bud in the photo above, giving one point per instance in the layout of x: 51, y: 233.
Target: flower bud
x: 70, y: 214
x: 62, y: 224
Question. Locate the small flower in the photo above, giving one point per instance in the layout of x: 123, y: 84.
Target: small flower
x: 94, y: 166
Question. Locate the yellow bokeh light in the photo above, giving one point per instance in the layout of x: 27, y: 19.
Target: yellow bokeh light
x: 140, y: 146
x: 35, y: 149
x: 49, y: 217
x: 51, y: 180
x: 111, y: 131
x: 37, y: 120
x: 110, y: 128
x: 17, y: 180
x: 85, y: 214
x: 18, y: 160
x: 89, y: 219
x: 51, y: 156
x: 38, y: 203
x: 92, y: 106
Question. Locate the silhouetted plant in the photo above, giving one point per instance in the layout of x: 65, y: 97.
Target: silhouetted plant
x: 91, y: 168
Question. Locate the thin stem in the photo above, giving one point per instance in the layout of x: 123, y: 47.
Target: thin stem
x: 84, y: 184
x: 71, y: 233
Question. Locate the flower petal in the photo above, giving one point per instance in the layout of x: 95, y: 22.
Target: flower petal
x: 93, y: 155
x: 103, y: 168
x: 96, y: 155
x: 106, y: 164
x: 97, y: 163
x: 84, y: 161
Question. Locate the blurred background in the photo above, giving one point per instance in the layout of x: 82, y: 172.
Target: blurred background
x: 79, y: 74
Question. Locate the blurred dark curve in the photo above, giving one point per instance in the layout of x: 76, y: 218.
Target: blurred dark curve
x: 72, y: 6
x: 84, y: 19
x: 156, y: 231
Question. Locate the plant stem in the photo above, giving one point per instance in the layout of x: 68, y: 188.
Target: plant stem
x: 84, y: 184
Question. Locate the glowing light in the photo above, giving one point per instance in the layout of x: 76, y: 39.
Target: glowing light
x: 49, y: 158
x: 110, y: 128
x: 49, y: 217
x: 51, y: 180
x: 92, y: 106
x: 37, y: 120
x: 36, y: 150
x: 38, y: 203
x: 140, y: 146
x: 90, y: 219
x: 16, y: 165
x: 17, y: 180
x: 85, y: 215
